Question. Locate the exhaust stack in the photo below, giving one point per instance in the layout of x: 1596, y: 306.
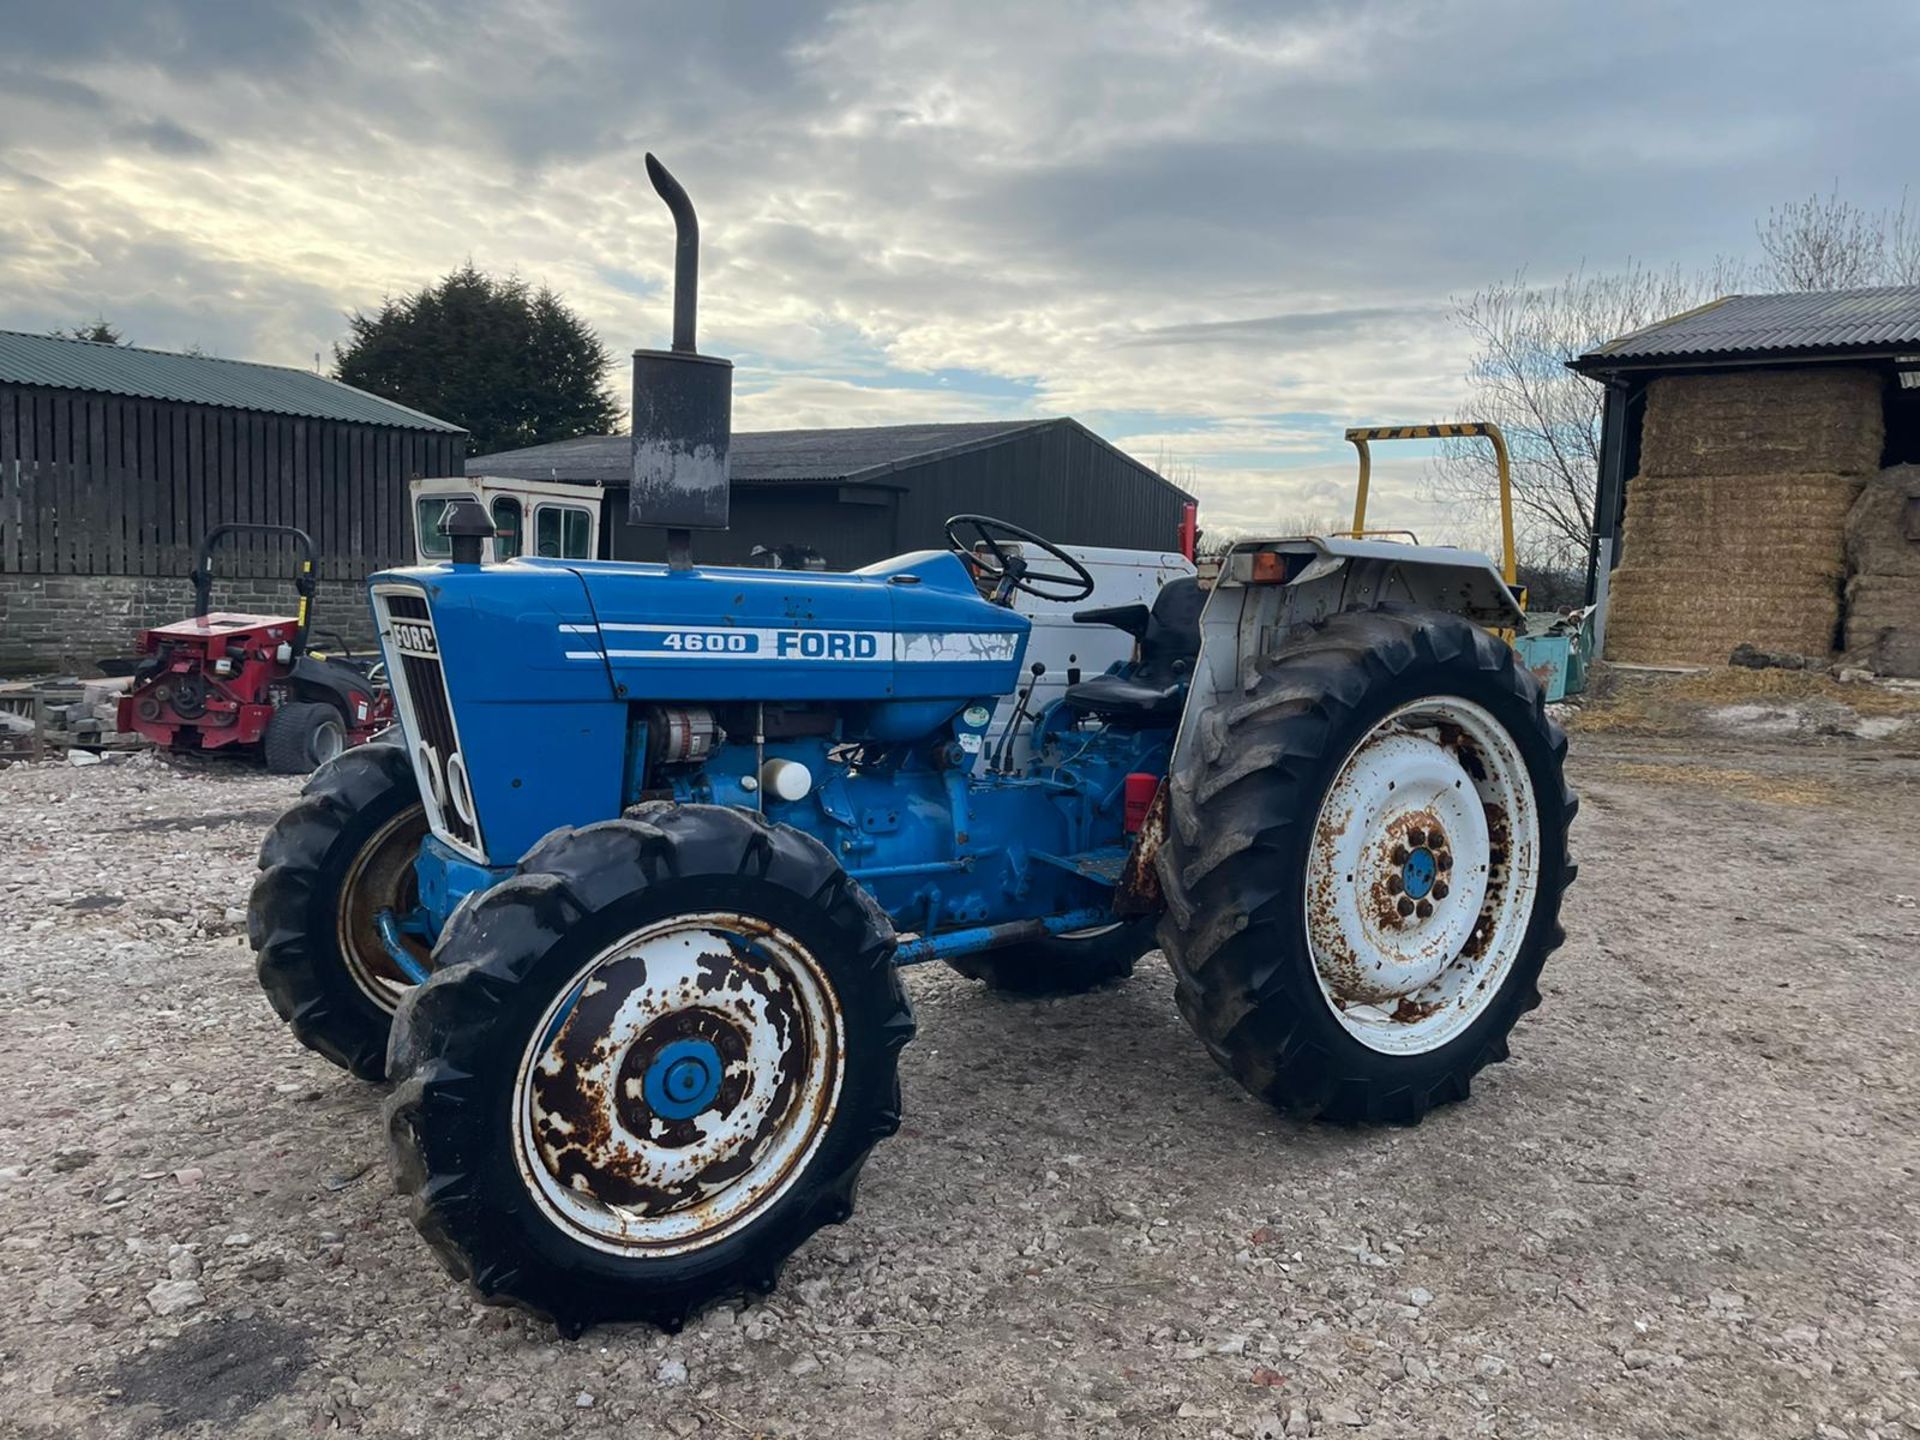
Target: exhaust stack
x: 682, y: 406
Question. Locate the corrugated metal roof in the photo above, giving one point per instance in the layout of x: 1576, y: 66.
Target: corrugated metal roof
x: 849, y: 455
x: 1837, y: 322
x: 197, y: 380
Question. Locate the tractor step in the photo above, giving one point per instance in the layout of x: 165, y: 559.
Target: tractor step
x: 1102, y: 866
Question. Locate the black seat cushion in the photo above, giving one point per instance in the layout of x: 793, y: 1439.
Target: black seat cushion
x: 1115, y: 697
x: 1153, y: 691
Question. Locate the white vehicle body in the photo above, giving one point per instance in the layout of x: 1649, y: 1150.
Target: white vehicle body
x: 554, y: 518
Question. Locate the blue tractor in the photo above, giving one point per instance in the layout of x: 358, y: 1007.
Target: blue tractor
x: 620, y: 909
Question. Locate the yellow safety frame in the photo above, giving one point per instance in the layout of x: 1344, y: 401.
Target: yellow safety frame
x: 1462, y: 430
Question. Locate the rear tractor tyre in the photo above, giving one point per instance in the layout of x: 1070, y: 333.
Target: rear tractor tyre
x: 343, y: 853
x: 1062, y: 964
x: 647, y: 1067
x: 302, y: 736
x: 1365, y: 866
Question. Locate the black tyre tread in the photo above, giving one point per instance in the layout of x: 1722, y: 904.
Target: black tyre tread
x: 290, y: 732
x: 297, y: 859
x: 496, y: 939
x: 1248, y: 791
x: 1060, y: 966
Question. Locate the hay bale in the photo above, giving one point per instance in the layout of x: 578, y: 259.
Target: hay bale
x: 1783, y: 422
x: 1716, y: 561
x: 1883, y: 623
x: 1883, y: 528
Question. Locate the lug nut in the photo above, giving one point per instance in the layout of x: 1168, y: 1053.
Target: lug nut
x: 1440, y: 890
x: 1393, y: 884
x: 1399, y: 854
x: 1406, y: 906
x: 1424, y: 909
x: 1416, y: 838
x: 1444, y: 859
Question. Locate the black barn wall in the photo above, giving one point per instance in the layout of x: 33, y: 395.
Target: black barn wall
x: 1055, y: 480
x: 96, y: 484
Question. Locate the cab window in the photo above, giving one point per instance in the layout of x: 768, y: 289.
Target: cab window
x: 560, y: 532
x: 506, y: 527
x: 427, y: 511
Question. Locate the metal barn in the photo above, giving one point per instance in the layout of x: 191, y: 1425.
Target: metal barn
x: 854, y: 496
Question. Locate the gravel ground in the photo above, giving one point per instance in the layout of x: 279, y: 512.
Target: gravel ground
x: 1686, y: 1207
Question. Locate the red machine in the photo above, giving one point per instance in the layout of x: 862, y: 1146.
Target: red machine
x: 227, y: 679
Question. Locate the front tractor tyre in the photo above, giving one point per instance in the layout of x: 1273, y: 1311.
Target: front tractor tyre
x: 1365, y: 865
x: 329, y: 866
x: 647, y: 1067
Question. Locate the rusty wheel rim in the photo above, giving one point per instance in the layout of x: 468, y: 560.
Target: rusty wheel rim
x: 679, y: 1085
x: 381, y: 877
x: 1422, y: 875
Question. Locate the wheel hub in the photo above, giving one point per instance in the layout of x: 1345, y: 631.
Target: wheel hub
x: 682, y: 1079
x: 1417, y: 875
x: 679, y: 1083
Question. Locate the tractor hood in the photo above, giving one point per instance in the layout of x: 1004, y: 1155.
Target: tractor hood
x: 909, y: 628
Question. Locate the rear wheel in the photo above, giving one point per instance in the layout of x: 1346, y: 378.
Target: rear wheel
x: 1069, y: 964
x: 1365, y: 866
x: 302, y: 736
x: 648, y: 1067
x: 329, y: 866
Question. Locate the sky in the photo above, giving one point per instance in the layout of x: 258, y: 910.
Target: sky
x: 1216, y: 233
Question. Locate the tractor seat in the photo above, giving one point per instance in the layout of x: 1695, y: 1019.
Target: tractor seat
x: 1151, y: 696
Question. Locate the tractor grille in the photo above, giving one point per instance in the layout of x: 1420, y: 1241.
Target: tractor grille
x: 426, y: 714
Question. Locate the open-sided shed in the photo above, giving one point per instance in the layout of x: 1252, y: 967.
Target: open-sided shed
x: 1737, y: 438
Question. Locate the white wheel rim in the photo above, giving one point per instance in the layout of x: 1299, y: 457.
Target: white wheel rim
x: 1422, y: 875
x: 620, y: 1175
x: 328, y: 741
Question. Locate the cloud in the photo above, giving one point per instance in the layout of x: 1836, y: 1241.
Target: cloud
x: 163, y: 137
x: 1218, y: 231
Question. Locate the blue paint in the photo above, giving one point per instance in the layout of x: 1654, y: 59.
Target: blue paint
x: 949, y: 943
x: 391, y: 929
x: 553, y: 672
x: 683, y: 1078
x: 1417, y: 875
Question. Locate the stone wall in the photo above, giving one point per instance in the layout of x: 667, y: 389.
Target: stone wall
x: 63, y: 623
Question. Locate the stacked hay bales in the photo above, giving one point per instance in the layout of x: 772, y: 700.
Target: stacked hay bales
x: 1736, y: 524
x: 1883, y: 552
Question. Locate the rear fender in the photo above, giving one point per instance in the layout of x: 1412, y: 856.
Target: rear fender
x: 1245, y: 620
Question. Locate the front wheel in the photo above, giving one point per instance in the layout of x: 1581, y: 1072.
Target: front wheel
x: 329, y: 866
x: 648, y: 1067
x: 1364, y: 870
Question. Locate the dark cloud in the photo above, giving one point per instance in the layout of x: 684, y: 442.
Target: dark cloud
x: 164, y: 137
x: 1279, y: 329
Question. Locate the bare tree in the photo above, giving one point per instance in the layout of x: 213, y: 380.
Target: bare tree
x: 1826, y: 243
x: 1524, y: 335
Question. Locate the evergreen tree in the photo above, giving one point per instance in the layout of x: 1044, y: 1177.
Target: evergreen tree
x: 96, y: 330
x: 513, y: 365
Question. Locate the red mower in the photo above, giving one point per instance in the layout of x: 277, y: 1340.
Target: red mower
x: 224, y: 679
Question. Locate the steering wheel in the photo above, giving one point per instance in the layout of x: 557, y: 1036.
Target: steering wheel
x: 1009, y: 572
